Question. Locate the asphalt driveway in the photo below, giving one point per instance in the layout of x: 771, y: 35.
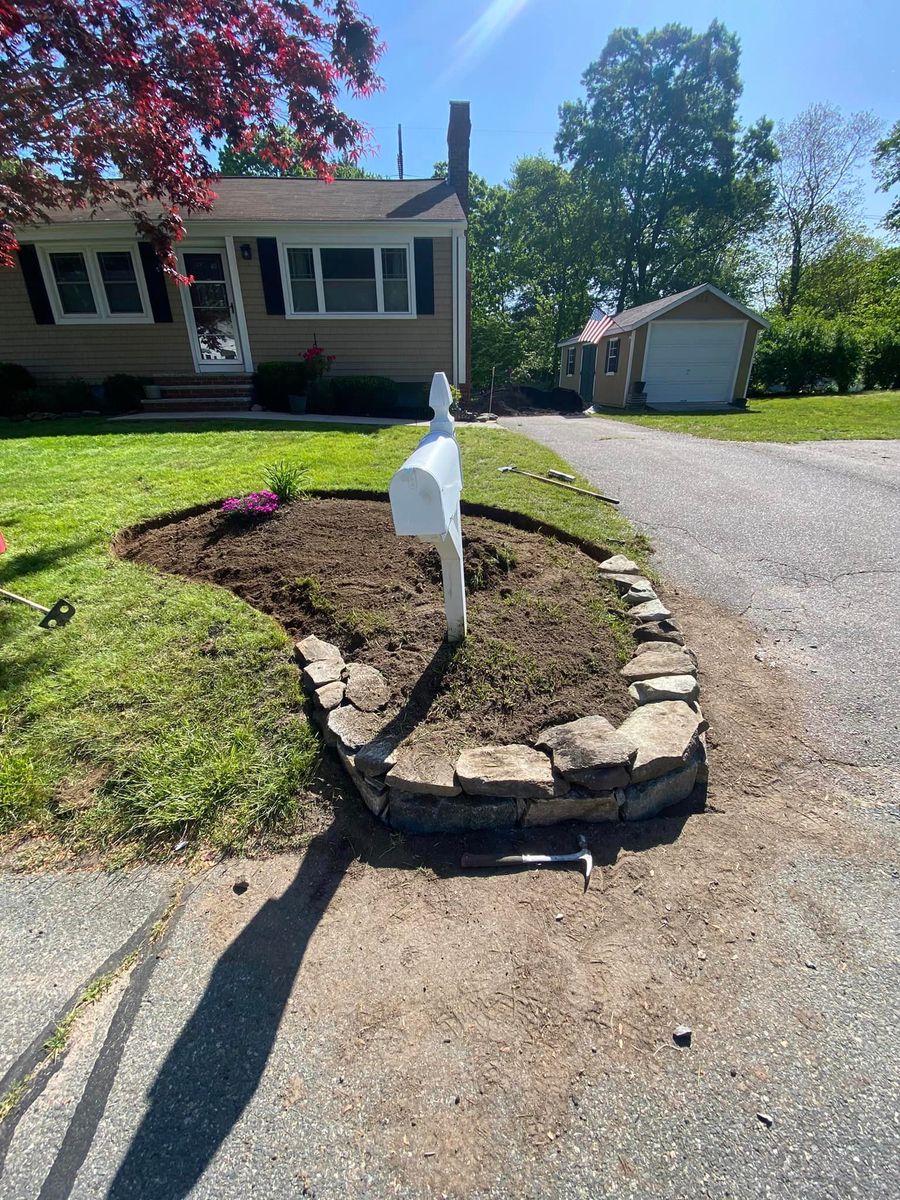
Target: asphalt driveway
x: 803, y: 539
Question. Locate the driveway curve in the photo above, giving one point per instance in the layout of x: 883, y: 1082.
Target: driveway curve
x: 802, y: 539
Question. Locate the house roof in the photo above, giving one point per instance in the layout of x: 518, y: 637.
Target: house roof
x: 600, y: 326
x: 250, y: 199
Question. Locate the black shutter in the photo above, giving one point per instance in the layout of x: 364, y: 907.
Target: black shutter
x: 156, y: 283
x: 267, y: 249
x: 424, y: 248
x: 34, y: 285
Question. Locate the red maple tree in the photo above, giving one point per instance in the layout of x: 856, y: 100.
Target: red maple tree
x: 123, y: 101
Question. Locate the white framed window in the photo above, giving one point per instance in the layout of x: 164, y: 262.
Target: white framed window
x: 103, y: 284
x: 612, y: 356
x: 570, y: 360
x: 352, y: 280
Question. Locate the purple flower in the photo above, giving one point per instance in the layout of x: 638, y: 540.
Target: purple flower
x: 256, y: 504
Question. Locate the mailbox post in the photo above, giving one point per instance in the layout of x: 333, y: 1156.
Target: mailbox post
x: 425, y: 495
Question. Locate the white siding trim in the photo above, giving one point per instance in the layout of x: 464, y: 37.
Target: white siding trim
x: 632, y: 338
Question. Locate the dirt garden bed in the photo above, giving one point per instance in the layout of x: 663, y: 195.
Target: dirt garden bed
x: 531, y: 720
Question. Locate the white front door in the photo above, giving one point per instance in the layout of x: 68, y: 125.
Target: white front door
x: 210, y: 310
x: 693, y: 362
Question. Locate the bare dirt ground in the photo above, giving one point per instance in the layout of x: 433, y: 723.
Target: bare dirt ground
x: 542, y: 647
x: 467, y: 1015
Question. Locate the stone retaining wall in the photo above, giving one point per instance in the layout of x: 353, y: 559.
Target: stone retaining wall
x: 584, y: 770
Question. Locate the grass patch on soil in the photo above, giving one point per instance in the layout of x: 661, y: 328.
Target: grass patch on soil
x: 169, y: 709
x: 866, y: 415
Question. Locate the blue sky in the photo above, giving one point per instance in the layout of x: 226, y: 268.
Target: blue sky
x: 518, y: 60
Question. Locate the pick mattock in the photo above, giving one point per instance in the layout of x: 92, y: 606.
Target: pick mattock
x: 582, y: 856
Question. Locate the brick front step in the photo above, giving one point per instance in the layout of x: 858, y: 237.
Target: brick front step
x: 172, y: 391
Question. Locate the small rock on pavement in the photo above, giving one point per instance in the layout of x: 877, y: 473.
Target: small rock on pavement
x: 682, y: 1034
x: 513, y: 770
x: 366, y: 687
x: 664, y: 687
x: 589, y: 752
x: 667, y: 734
x: 422, y: 769
x: 651, y: 610
x: 658, y: 662
x: 352, y: 728
x: 324, y: 670
x: 766, y: 1119
x: 618, y: 565
x: 313, y: 649
x: 330, y: 695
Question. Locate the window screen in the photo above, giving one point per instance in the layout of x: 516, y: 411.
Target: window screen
x: 302, y: 271
x: 73, y: 284
x: 119, y: 281
x: 395, y: 280
x: 348, y: 280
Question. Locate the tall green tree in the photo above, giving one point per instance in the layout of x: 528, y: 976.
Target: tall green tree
x: 676, y: 182
x: 259, y: 162
x: 887, y: 172
x: 818, y: 186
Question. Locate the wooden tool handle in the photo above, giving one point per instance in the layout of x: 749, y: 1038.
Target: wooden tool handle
x: 492, y: 860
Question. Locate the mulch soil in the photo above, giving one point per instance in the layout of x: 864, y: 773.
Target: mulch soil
x: 541, y: 648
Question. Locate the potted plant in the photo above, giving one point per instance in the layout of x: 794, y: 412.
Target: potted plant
x: 316, y: 363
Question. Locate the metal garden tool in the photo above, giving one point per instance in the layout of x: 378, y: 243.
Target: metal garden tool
x: 61, y: 613
x: 582, y: 856
x: 570, y: 487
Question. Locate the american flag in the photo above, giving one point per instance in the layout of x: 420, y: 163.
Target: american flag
x: 598, y: 326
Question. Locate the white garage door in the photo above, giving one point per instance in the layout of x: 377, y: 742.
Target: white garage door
x: 692, y: 362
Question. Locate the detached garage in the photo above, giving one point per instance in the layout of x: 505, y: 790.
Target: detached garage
x: 691, y: 350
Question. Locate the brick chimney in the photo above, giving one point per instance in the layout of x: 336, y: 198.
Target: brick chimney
x: 458, y: 132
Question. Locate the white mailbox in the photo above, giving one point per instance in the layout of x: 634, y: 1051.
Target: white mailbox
x: 425, y: 495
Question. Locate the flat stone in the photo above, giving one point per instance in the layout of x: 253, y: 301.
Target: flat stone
x: 618, y: 564
x: 635, y: 596
x: 664, y: 648
x: 351, y: 728
x: 423, y: 769
x: 366, y: 687
x: 330, y: 695
x: 513, y: 770
x: 650, y: 610
x: 657, y: 662
x: 643, y: 800
x: 664, y: 687
x: 444, y: 814
x: 589, y: 752
x: 377, y: 757
x: 625, y: 583
x: 659, y: 631
x: 324, y: 670
x: 666, y: 734
x: 374, y: 794
x: 571, y: 808
x: 312, y: 649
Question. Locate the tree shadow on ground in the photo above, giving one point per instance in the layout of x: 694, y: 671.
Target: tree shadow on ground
x: 213, y: 1069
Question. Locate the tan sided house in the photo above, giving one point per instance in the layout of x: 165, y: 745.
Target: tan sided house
x: 691, y: 350
x: 373, y: 271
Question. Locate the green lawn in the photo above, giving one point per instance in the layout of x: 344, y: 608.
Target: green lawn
x: 795, y: 419
x: 117, y: 732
